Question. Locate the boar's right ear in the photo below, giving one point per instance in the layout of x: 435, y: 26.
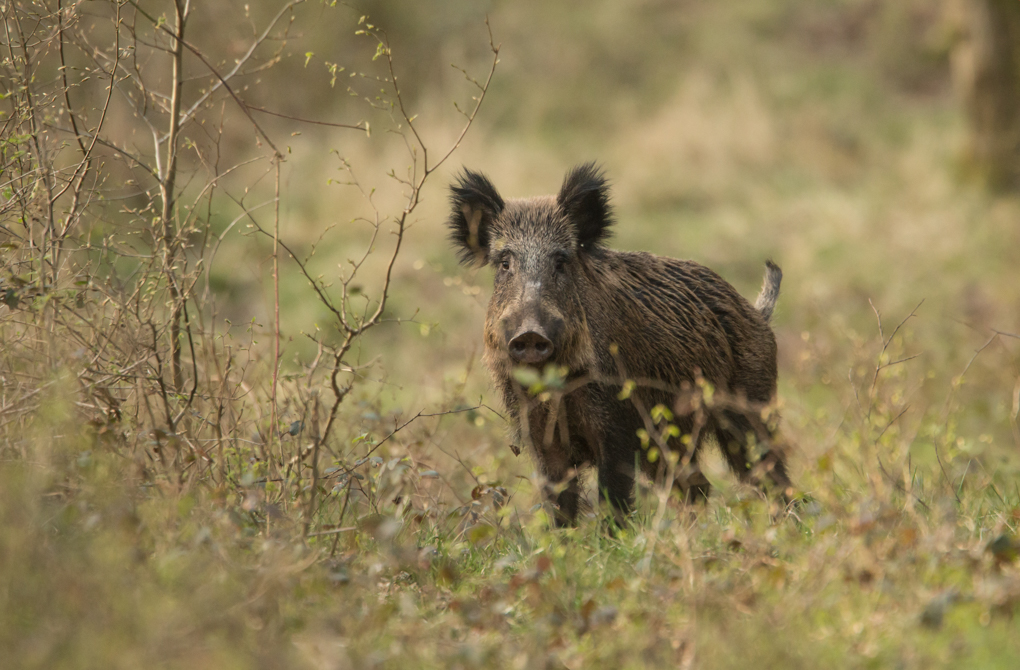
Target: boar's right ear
x: 584, y: 198
x: 476, y: 203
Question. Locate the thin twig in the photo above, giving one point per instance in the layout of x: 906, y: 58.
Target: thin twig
x: 357, y: 126
x: 335, y: 531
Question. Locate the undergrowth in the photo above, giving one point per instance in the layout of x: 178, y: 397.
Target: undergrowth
x: 243, y: 424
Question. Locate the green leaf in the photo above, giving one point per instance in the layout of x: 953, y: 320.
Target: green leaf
x: 480, y: 533
x: 527, y: 377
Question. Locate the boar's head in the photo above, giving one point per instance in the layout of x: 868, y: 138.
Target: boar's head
x: 542, y: 250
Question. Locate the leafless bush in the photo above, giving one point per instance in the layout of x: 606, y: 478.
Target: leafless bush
x: 118, y: 168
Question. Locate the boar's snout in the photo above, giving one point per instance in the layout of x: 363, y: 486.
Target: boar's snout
x: 531, y: 346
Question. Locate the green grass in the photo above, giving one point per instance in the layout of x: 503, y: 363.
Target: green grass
x: 860, y: 575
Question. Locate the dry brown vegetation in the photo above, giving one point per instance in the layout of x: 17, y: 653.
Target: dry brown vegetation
x: 242, y: 418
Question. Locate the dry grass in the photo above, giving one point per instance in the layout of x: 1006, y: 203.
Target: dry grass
x: 825, y: 136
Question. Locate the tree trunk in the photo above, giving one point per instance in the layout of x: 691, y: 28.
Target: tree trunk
x: 986, y: 71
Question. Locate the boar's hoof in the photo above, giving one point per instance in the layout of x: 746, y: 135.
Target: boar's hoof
x: 531, y: 348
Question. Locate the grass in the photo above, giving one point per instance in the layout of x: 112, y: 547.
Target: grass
x: 862, y: 575
x: 824, y: 135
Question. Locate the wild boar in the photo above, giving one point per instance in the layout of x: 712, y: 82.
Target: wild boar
x: 638, y: 337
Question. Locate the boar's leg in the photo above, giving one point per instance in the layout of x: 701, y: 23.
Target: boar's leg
x: 616, y: 484
x: 773, y: 465
x: 616, y: 470
x: 561, y: 488
x: 693, y: 484
x: 550, y: 438
x: 689, y: 479
x: 732, y: 430
x: 566, y: 501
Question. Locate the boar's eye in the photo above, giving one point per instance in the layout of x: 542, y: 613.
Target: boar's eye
x: 560, y: 261
x: 505, y: 262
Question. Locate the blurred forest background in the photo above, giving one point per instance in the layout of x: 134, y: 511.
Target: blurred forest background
x: 243, y: 419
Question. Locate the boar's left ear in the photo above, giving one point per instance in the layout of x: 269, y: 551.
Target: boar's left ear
x: 584, y: 198
x: 476, y: 203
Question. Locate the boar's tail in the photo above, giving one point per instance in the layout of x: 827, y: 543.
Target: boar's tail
x: 766, y: 301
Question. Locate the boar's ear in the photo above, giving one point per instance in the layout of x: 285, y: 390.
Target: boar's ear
x: 584, y: 198
x: 476, y: 203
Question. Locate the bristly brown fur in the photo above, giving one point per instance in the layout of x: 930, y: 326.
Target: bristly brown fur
x: 584, y: 198
x: 475, y: 205
x: 611, y: 317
